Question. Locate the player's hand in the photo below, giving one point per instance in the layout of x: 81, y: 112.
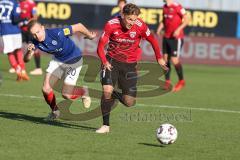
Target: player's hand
x: 30, y: 52
x: 176, y: 33
x: 107, y: 66
x: 159, y: 32
x: 91, y: 36
x: 31, y: 47
x: 163, y: 64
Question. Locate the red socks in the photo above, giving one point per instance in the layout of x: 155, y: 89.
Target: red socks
x: 77, y: 92
x: 12, y: 60
x: 51, y: 100
x: 19, y: 56
x: 16, y: 58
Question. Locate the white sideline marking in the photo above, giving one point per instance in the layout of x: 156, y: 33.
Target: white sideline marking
x: 138, y: 104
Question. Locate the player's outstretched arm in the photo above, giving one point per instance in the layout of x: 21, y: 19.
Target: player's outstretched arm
x: 82, y: 29
x: 151, y: 39
x: 30, y: 53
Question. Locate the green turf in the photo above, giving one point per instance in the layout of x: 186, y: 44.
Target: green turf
x: 203, y: 134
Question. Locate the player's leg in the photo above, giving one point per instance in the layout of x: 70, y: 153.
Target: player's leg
x: 53, y: 75
x: 37, y: 60
x: 175, y: 58
x: 19, y: 55
x: 107, y: 102
x: 128, y: 81
x: 17, y: 39
x: 49, y: 81
x: 70, y: 90
x: 166, y: 56
x: 8, y: 48
x: 108, y: 80
x: 13, y: 62
x: 37, y: 56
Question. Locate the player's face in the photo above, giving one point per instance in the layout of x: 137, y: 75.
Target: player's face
x: 38, y: 32
x: 129, y: 20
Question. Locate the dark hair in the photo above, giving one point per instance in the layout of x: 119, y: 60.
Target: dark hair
x: 125, y: 1
x: 32, y: 23
x: 131, y: 9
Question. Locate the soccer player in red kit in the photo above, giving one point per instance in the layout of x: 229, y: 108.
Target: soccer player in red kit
x: 123, y: 35
x: 29, y: 12
x: 174, y: 21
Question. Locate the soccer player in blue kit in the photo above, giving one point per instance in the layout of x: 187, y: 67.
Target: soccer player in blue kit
x: 66, y: 63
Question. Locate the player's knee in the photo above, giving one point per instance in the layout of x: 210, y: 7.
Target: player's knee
x: 107, y: 95
x: 129, y: 102
x: 66, y: 96
x: 46, y: 90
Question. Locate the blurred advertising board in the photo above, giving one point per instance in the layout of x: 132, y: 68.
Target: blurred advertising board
x: 204, y: 23
x: 196, y: 50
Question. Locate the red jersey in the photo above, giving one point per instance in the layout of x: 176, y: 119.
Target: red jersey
x: 172, y: 19
x: 123, y: 44
x: 28, y: 10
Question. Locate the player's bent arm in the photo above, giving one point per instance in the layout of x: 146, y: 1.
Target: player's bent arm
x: 160, y: 27
x: 151, y: 39
x: 30, y: 53
x: 28, y: 56
x: 185, y: 21
x: 100, y: 49
x: 157, y: 51
x: 82, y: 29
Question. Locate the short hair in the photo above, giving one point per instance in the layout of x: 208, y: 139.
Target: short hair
x: 131, y: 9
x: 32, y: 23
x: 119, y: 1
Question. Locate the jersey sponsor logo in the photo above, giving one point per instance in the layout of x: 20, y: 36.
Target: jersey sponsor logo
x: 66, y: 31
x: 125, y: 40
x: 54, y: 42
x: 132, y: 34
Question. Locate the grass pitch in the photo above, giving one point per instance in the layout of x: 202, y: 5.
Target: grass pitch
x: 206, y: 114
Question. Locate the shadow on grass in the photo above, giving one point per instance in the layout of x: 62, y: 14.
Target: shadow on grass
x: 152, y: 145
x: 40, y: 120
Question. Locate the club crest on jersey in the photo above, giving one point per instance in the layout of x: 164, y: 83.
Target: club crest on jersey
x: 132, y: 34
x: 54, y: 42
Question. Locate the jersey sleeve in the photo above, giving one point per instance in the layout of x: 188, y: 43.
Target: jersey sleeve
x: 33, y: 7
x: 67, y: 31
x: 180, y: 10
x: 103, y: 41
x: 145, y: 31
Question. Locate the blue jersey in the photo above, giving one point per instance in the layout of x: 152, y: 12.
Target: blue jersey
x: 58, y: 43
x: 9, y: 11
